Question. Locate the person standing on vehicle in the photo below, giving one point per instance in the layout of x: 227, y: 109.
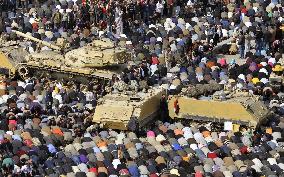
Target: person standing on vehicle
x: 164, y: 110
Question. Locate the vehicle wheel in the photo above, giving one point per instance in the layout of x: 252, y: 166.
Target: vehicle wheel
x: 23, y: 71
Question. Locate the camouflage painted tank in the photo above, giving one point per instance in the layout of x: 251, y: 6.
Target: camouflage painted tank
x: 99, y: 59
x: 128, y: 110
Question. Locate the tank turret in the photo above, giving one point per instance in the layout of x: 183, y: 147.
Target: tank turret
x: 11, y: 54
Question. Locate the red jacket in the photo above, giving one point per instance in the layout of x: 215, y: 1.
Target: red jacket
x: 244, y: 10
x: 155, y: 61
x: 244, y: 150
x: 212, y: 155
x: 94, y: 170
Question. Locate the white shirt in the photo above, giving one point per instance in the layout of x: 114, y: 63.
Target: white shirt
x: 172, y: 87
x: 153, y: 69
x: 39, y: 98
x: 193, y: 146
x: 59, y: 98
x: 160, y: 138
x: 272, y: 60
x: 272, y: 161
x: 5, y: 98
x: 276, y: 135
x: 199, y: 77
x: 59, y: 86
x: 173, y: 47
x: 159, y: 7
x: 199, y: 138
x: 22, y: 97
x: 257, y: 162
x: 115, y: 163
x: 89, y: 96
x: 21, y: 84
x: 281, y: 165
x: 187, y: 134
x: 190, y: 3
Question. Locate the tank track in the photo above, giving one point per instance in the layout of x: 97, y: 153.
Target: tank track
x: 56, y: 73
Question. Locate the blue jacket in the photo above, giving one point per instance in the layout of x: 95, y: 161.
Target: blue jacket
x: 133, y: 170
x: 51, y: 148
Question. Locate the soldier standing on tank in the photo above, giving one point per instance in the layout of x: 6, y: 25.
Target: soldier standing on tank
x: 164, y: 111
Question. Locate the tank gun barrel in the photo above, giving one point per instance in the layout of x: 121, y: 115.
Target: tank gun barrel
x: 37, y: 40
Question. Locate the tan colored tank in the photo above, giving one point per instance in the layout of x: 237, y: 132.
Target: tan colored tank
x: 126, y: 111
x: 11, y: 54
x: 97, y: 60
x: 240, y: 107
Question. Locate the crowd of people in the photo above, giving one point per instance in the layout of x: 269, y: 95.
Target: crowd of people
x: 46, y: 125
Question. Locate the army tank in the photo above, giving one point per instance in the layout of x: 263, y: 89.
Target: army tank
x: 11, y: 53
x: 98, y: 60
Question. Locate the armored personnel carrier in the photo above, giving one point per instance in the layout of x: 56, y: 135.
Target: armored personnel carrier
x: 128, y: 110
x: 237, y: 107
x: 276, y: 82
x: 276, y: 77
x: 99, y: 59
